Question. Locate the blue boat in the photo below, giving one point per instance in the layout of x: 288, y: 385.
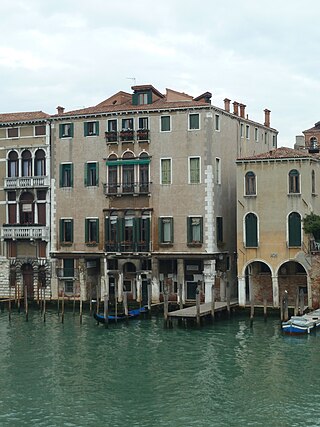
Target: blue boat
x: 120, y: 317
x: 302, y: 324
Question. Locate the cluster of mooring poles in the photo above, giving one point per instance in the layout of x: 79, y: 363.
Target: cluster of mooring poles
x: 298, y: 307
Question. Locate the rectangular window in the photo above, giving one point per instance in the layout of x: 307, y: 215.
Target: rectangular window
x: 66, y: 130
x: 68, y: 267
x: 91, y: 174
x: 218, y: 170
x: 247, y: 132
x: 127, y: 124
x: 143, y: 98
x: 217, y: 122
x: 165, y: 123
x: 92, y: 230
x: 112, y: 125
x: 143, y: 123
x: 66, y: 175
x: 194, y: 230
x: 256, y: 134
x: 165, y: 171
x: 165, y: 230
x: 241, y: 130
x: 66, y: 230
x: 274, y: 140
x: 68, y: 287
x: 219, y: 225
x: 194, y: 121
x: 91, y: 128
x: 40, y: 130
x: 13, y: 132
x: 194, y: 170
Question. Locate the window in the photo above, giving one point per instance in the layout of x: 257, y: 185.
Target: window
x: 40, y: 130
x: 127, y: 124
x: 194, y: 121
x: 12, y: 207
x: 241, y: 130
x: 256, y: 134
x: 66, y: 230
x: 128, y: 173
x: 247, y: 132
x: 313, y: 182
x: 194, y: 230
x: 91, y: 128
x: 165, y: 230
x: 26, y: 163
x: 26, y: 208
x: 165, y: 171
x: 294, y: 226
x: 251, y: 231
x: 112, y: 125
x: 250, y: 184
x: 143, y: 123
x: 218, y: 171
x: 13, y: 132
x: 165, y: 123
x: 274, y: 140
x: 68, y: 269
x: 13, y: 164
x: 112, y: 176
x: 91, y: 174
x: 68, y: 287
x: 217, y: 122
x: 142, y: 98
x: 40, y: 163
x: 294, y: 181
x: 219, y: 226
x: 194, y: 170
x: 66, y: 130
x: 144, y: 173
x: 66, y: 175
x: 92, y: 230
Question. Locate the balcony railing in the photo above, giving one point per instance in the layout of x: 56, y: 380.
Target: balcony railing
x: 135, y: 188
x: 16, y: 232
x: 127, y: 135
x: 111, y: 246
x: 26, y: 182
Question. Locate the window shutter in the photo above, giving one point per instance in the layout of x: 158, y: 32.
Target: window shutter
x: 85, y: 129
x: 97, y: 128
x: 150, y: 97
x: 97, y: 174
x: 172, y: 233
x: 120, y: 230
x: 160, y: 230
x: 135, y: 99
x: 71, y: 175
x: 189, y: 231
x: 147, y: 228
x: 60, y: 130
x: 251, y: 231
x: 85, y: 174
x: 86, y: 230
x: 201, y: 229
x: 61, y: 230
x: 294, y: 229
x: 60, y: 175
x: 71, y: 130
x: 106, y: 229
x: 97, y: 236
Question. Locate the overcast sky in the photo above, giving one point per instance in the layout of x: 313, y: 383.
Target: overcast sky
x: 76, y: 53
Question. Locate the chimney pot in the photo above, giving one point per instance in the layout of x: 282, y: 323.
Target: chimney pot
x: 242, y: 110
x: 267, y: 117
x: 227, y: 104
x: 60, y: 110
x: 236, y: 108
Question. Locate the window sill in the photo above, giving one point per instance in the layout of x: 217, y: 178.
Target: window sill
x: 66, y: 243
x: 294, y: 194
x: 194, y: 244
x: 166, y: 245
x: 250, y: 196
x: 91, y: 244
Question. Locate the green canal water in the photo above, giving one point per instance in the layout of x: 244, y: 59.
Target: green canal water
x: 140, y: 374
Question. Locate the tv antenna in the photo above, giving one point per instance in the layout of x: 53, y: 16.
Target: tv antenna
x: 133, y: 80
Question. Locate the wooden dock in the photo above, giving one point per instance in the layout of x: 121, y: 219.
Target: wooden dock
x: 205, y: 310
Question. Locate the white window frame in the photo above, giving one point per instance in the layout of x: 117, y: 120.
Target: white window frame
x: 247, y: 131
x: 193, y: 114
x: 160, y: 123
x: 166, y: 158
x: 43, y: 134
x: 241, y: 130
x: 189, y: 170
x: 256, y: 134
x: 13, y: 137
x: 217, y: 170
x: 217, y: 122
x: 112, y: 120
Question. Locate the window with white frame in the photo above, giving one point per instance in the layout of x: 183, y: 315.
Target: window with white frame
x: 91, y: 128
x: 218, y: 170
x: 166, y: 230
x: 13, y: 133
x: 165, y: 123
x: 40, y: 130
x: 112, y: 125
x: 91, y: 174
x: 194, y: 170
x: 143, y: 123
x: 194, y: 121
x: 92, y: 230
x: 194, y: 229
x: 256, y: 134
x: 217, y: 122
x: 250, y: 184
x: 127, y: 124
x: 247, y: 132
x: 241, y: 130
x: 166, y: 172
x: 66, y: 130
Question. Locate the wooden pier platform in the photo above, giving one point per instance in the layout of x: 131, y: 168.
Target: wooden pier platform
x: 205, y: 310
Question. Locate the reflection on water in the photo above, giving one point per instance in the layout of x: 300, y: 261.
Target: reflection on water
x: 225, y: 374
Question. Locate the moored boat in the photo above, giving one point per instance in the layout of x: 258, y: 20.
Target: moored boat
x: 302, y: 324
x: 120, y: 317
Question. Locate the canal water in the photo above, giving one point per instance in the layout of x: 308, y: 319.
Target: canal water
x: 140, y: 374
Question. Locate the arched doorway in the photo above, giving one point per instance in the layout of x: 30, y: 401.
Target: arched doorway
x: 258, y: 283
x: 292, y: 277
x: 27, y: 276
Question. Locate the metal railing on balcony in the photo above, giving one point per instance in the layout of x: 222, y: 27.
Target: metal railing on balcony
x: 111, y: 246
x: 24, y: 232
x: 26, y: 182
x: 135, y: 188
x: 127, y: 135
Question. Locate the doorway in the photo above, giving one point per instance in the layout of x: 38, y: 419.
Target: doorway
x: 27, y: 275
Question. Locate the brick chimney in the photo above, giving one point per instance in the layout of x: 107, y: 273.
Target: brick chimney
x: 227, y: 104
x: 60, y: 110
x: 236, y: 108
x: 267, y: 117
x: 242, y: 110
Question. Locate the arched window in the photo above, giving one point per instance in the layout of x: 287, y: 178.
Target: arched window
x: 26, y: 208
x: 294, y: 181
x: 128, y: 173
x: 144, y: 173
x: 251, y: 230
x: 294, y: 229
x: 250, y: 184
x: 13, y: 164
x: 112, y: 175
x: 40, y: 163
x: 26, y: 163
x: 313, y: 142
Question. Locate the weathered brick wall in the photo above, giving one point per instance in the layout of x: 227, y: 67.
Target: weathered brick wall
x: 315, y: 281
x: 262, y: 288
x: 4, y: 277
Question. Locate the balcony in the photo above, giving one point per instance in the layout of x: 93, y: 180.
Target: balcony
x: 24, y: 232
x: 127, y: 135
x: 111, y: 246
x: 111, y: 136
x: 26, y: 182
x: 134, y: 189
x: 143, y: 135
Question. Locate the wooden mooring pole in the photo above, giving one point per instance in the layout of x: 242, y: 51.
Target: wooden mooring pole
x: 251, y: 311
x: 44, y: 304
x: 265, y: 308
x: 26, y: 302
x: 149, y: 288
x: 180, y: 296
x: 301, y: 301
x: 9, y: 303
x: 198, y: 306
x: 62, y: 308
x: 165, y: 309
x: 285, y: 309
x: 125, y: 304
x: 212, y: 301
x: 106, y: 311
x: 228, y: 298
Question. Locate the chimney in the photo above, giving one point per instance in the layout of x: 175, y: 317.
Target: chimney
x: 60, y: 110
x: 227, y: 104
x: 236, y: 108
x: 267, y: 117
x: 242, y: 110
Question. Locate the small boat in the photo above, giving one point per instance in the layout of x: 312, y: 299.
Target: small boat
x: 302, y: 324
x: 113, y: 318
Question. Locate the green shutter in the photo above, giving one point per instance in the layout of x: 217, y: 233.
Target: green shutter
x: 61, y: 230
x: 135, y: 98
x: 172, y: 233
x: 150, y: 97
x: 60, y: 130
x: 189, y: 231
x: 71, y: 221
x: 86, y: 230
x: 60, y: 175
x: 120, y: 230
x: 106, y: 229
x: 97, y: 237
x: 85, y: 174
x: 251, y: 231
x: 71, y: 174
x: 201, y: 229
x: 85, y: 129
x: 71, y: 130
x: 97, y: 174
x: 147, y: 227
x: 97, y: 128
x: 160, y: 230
x: 294, y: 229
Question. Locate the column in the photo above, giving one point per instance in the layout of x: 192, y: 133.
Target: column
x: 155, y: 280
x: 180, y: 278
x: 275, y: 291
x: 242, y: 290
x: 209, y: 273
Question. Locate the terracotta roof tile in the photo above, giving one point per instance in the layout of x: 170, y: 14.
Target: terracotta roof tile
x: 281, y: 153
x: 23, y: 116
